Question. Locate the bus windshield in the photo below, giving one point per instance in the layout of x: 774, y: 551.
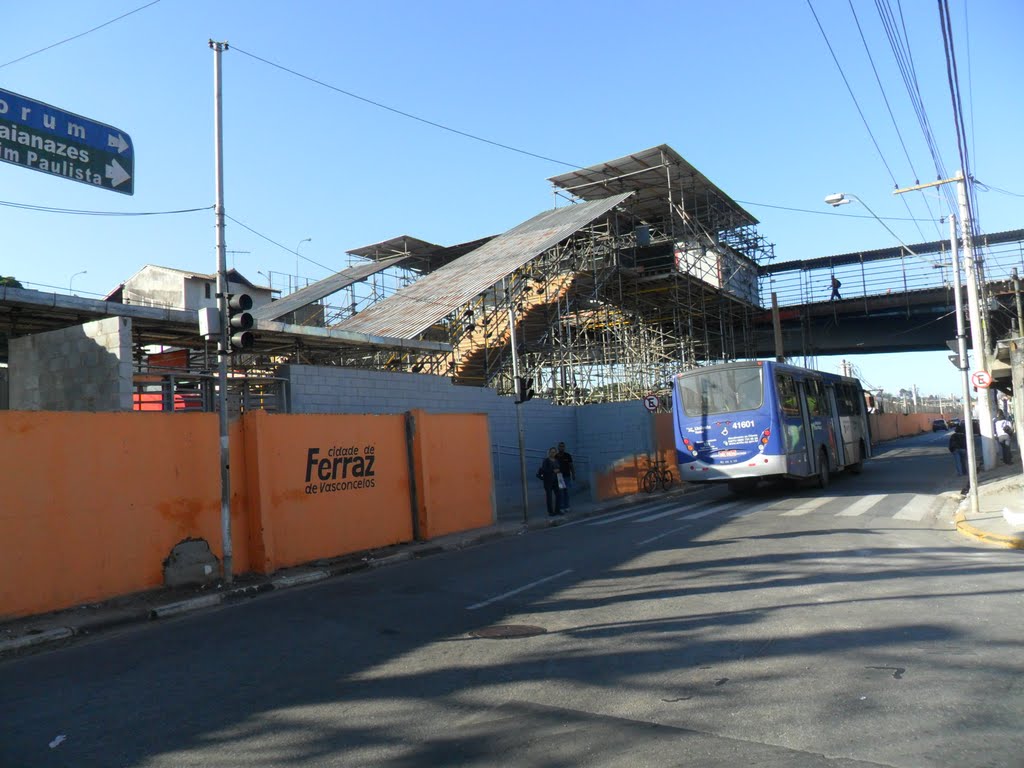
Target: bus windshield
x: 709, y: 392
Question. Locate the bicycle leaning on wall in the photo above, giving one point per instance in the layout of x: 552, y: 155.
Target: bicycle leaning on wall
x: 658, y: 475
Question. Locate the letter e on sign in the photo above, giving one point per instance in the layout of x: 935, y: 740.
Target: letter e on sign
x: 981, y: 379
x: 651, y: 403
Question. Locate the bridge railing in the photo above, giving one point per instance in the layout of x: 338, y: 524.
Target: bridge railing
x: 878, y: 278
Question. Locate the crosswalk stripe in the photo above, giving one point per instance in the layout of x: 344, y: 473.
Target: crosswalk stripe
x: 670, y: 511
x: 808, y: 506
x: 916, y: 508
x: 624, y: 516
x: 862, y: 505
x: 709, y: 511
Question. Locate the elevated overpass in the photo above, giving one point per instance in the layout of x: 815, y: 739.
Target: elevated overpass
x: 892, y: 300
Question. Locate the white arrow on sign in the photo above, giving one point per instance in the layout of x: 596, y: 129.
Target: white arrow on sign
x: 116, y: 173
x: 118, y: 142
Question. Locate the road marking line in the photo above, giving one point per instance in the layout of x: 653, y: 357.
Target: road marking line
x: 661, y: 535
x: 809, y: 506
x: 622, y: 516
x: 711, y: 511
x: 670, y: 511
x: 862, y: 506
x: 916, y: 508
x: 517, y: 591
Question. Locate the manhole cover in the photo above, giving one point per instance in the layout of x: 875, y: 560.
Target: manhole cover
x: 504, y: 631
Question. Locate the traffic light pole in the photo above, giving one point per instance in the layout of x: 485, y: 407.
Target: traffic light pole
x: 223, y: 346
x: 519, y: 416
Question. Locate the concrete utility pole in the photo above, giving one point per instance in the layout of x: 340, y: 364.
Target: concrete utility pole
x: 979, y: 332
x: 224, y: 340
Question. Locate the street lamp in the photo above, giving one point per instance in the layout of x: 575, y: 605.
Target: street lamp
x: 297, y: 247
x: 72, y: 280
x: 843, y: 198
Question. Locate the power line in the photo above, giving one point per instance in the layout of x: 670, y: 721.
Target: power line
x: 904, y: 57
x: 80, y: 212
x: 80, y: 34
x: 409, y: 115
x: 830, y: 213
x: 990, y: 188
x: 895, y: 125
x: 849, y: 89
x: 283, y: 247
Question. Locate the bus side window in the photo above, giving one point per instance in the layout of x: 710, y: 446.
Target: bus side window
x: 817, y: 403
x: 788, y: 399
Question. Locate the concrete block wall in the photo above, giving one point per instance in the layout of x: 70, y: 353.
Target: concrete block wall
x: 83, y: 368
x: 614, y: 432
x: 593, y: 434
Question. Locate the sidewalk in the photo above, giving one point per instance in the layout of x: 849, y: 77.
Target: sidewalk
x: 24, y: 635
x: 1000, y: 490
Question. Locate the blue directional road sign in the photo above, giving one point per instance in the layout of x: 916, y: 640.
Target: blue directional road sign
x: 37, y: 136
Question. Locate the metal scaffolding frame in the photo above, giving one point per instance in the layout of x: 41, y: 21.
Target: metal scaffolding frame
x: 664, y: 281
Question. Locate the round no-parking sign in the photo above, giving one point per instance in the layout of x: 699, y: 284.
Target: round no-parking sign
x: 651, y: 403
x: 981, y: 379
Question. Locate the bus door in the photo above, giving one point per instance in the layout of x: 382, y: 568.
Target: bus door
x: 834, y: 404
x: 794, y: 423
x: 821, y: 429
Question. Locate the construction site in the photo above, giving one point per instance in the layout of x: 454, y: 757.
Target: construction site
x: 643, y: 269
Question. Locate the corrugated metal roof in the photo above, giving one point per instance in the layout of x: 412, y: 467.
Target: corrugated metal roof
x: 321, y: 288
x: 651, y: 173
x: 412, y: 310
x: 424, y: 257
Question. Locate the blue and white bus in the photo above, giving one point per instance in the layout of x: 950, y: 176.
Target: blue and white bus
x: 745, y: 422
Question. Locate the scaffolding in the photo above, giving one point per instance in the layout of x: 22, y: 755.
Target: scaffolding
x: 662, y: 278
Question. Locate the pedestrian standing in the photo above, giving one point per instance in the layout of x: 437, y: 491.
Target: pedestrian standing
x: 958, y: 447
x: 550, y: 473
x: 1004, y: 433
x: 565, y: 466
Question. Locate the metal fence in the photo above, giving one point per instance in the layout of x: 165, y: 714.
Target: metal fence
x: 890, y: 276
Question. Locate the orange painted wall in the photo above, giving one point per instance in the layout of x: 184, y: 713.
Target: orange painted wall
x: 624, y: 477
x: 889, y: 426
x: 92, y: 503
x: 306, y: 519
x: 454, y: 480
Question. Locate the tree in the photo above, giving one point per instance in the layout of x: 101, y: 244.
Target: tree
x: 9, y: 282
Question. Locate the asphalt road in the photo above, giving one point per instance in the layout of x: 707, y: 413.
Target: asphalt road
x: 796, y: 628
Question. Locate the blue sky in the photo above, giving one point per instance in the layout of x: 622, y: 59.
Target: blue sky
x: 746, y: 91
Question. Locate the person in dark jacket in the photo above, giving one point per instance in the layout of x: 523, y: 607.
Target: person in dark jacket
x: 550, y: 473
x: 958, y: 447
x: 568, y: 471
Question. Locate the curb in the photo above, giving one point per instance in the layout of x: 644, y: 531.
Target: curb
x: 1010, y: 542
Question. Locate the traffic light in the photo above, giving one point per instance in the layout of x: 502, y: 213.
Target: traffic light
x: 524, y: 389
x: 954, y: 347
x: 240, y: 321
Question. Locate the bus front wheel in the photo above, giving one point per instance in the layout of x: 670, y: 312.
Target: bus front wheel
x: 823, y: 477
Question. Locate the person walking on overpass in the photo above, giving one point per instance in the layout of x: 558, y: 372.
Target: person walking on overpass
x: 835, y: 289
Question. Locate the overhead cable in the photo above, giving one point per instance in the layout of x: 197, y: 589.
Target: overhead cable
x: 80, y: 34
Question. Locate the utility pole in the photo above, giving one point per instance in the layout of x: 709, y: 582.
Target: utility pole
x: 979, y: 332
x: 223, y: 349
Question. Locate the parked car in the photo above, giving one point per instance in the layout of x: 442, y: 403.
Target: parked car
x: 939, y: 424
